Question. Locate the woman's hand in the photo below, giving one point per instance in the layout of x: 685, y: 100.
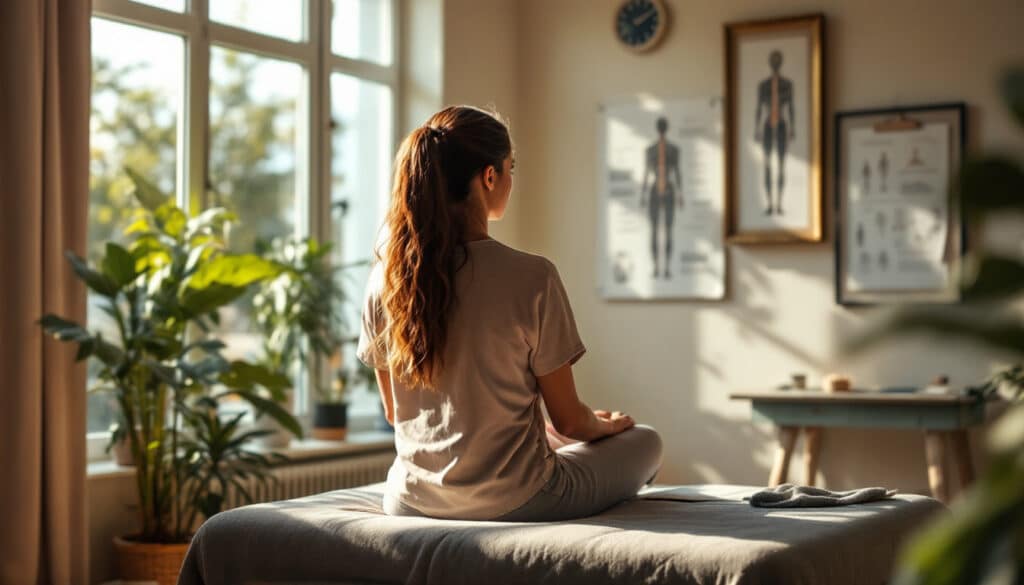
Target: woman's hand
x: 572, y: 418
x: 615, y: 422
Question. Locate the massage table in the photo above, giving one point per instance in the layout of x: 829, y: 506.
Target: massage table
x: 669, y: 535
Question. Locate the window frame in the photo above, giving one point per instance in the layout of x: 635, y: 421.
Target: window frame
x: 313, y: 171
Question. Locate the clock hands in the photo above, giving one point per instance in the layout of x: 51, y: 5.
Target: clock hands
x: 644, y: 17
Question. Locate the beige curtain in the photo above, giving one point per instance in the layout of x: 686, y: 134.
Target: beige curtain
x: 44, y: 186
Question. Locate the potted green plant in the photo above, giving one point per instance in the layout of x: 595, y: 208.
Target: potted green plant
x: 330, y: 412
x: 167, y: 373
x: 301, y: 314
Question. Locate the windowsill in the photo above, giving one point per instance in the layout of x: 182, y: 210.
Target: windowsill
x: 106, y: 469
x: 297, y: 452
x: 312, y: 449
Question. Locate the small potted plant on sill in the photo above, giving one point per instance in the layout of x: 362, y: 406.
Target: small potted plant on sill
x: 163, y: 291
x: 330, y: 413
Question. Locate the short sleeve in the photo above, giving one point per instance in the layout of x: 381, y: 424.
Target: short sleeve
x: 556, y: 341
x: 371, y: 349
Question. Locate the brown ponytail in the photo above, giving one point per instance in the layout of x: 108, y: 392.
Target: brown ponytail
x: 425, y: 224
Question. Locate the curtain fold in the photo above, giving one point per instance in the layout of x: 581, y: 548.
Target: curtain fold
x: 44, y: 186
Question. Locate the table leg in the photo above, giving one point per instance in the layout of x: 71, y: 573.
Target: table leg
x: 780, y: 470
x: 812, y: 446
x: 962, y: 457
x: 935, y: 455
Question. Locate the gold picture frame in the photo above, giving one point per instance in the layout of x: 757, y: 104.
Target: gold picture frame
x: 774, y: 139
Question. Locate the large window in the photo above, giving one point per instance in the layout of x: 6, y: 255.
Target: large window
x: 282, y: 110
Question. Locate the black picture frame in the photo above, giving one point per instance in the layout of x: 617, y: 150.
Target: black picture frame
x: 956, y: 114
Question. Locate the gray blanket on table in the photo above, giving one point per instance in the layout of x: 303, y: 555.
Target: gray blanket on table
x: 684, y: 535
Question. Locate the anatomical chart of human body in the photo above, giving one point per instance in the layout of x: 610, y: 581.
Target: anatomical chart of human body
x: 897, y: 211
x: 661, y: 197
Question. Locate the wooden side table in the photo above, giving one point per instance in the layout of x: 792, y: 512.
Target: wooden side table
x: 944, y: 420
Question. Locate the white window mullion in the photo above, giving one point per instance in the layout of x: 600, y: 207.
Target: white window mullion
x: 135, y: 13
x: 382, y: 74
x: 312, y: 186
x: 197, y: 90
x: 397, y: 68
x: 251, y: 42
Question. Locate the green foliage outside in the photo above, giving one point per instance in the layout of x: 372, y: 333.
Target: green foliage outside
x: 250, y: 146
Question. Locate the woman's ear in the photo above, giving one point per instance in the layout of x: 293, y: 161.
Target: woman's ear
x: 490, y: 177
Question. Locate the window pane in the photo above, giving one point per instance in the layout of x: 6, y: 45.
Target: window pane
x: 255, y: 133
x: 362, y: 30
x: 175, y: 5
x: 137, y: 85
x: 362, y: 151
x: 277, y: 18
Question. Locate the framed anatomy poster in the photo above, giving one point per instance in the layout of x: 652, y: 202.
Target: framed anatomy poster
x: 899, y: 237
x: 774, y: 81
x: 660, y: 199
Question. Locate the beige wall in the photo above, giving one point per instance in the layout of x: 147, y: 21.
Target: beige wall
x: 481, y: 40
x: 672, y: 364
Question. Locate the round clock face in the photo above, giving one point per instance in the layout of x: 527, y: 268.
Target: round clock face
x: 639, y: 24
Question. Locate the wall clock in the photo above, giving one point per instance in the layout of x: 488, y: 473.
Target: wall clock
x: 640, y: 24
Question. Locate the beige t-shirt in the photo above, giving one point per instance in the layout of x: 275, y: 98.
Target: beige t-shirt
x: 475, y: 446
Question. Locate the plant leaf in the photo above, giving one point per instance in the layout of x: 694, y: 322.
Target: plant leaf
x: 148, y: 195
x: 272, y: 409
x: 171, y: 220
x: 998, y: 329
x: 207, y: 300
x: 1013, y: 92
x: 991, y: 183
x: 244, y: 376
x: 118, y: 265
x: 93, y: 279
x: 233, y: 270
x: 996, y: 277
x: 63, y: 329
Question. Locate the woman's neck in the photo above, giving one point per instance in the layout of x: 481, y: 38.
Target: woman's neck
x: 476, y: 219
x: 473, y: 235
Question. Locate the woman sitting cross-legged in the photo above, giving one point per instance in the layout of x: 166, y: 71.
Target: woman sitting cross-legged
x: 468, y: 336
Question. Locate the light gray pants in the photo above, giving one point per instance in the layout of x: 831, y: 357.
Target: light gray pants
x: 588, y: 478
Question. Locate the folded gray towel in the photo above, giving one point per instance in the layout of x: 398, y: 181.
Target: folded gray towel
x: 793, y: 496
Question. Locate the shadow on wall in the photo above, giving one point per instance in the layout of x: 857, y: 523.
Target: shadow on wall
x: 724, y: 445
x: 755, y: 304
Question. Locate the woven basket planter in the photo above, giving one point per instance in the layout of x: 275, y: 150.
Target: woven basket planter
x: 144, y: 561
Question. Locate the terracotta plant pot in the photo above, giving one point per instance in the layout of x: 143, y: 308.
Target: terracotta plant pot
x: 145, y: 561
x: 330, y: 421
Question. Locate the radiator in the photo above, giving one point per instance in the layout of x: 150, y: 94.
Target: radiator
x: 297, y: 479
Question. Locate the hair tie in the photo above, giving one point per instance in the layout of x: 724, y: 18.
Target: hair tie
x: 437, y: 133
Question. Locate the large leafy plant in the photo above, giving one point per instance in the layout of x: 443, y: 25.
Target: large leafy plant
x: 164, y: 366
x: 982, y: 541
x: 302, y: 311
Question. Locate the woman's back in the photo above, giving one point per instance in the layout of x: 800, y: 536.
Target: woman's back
x: 475, y: 445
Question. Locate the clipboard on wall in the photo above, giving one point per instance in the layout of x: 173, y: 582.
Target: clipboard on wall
x: 883, y: 198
